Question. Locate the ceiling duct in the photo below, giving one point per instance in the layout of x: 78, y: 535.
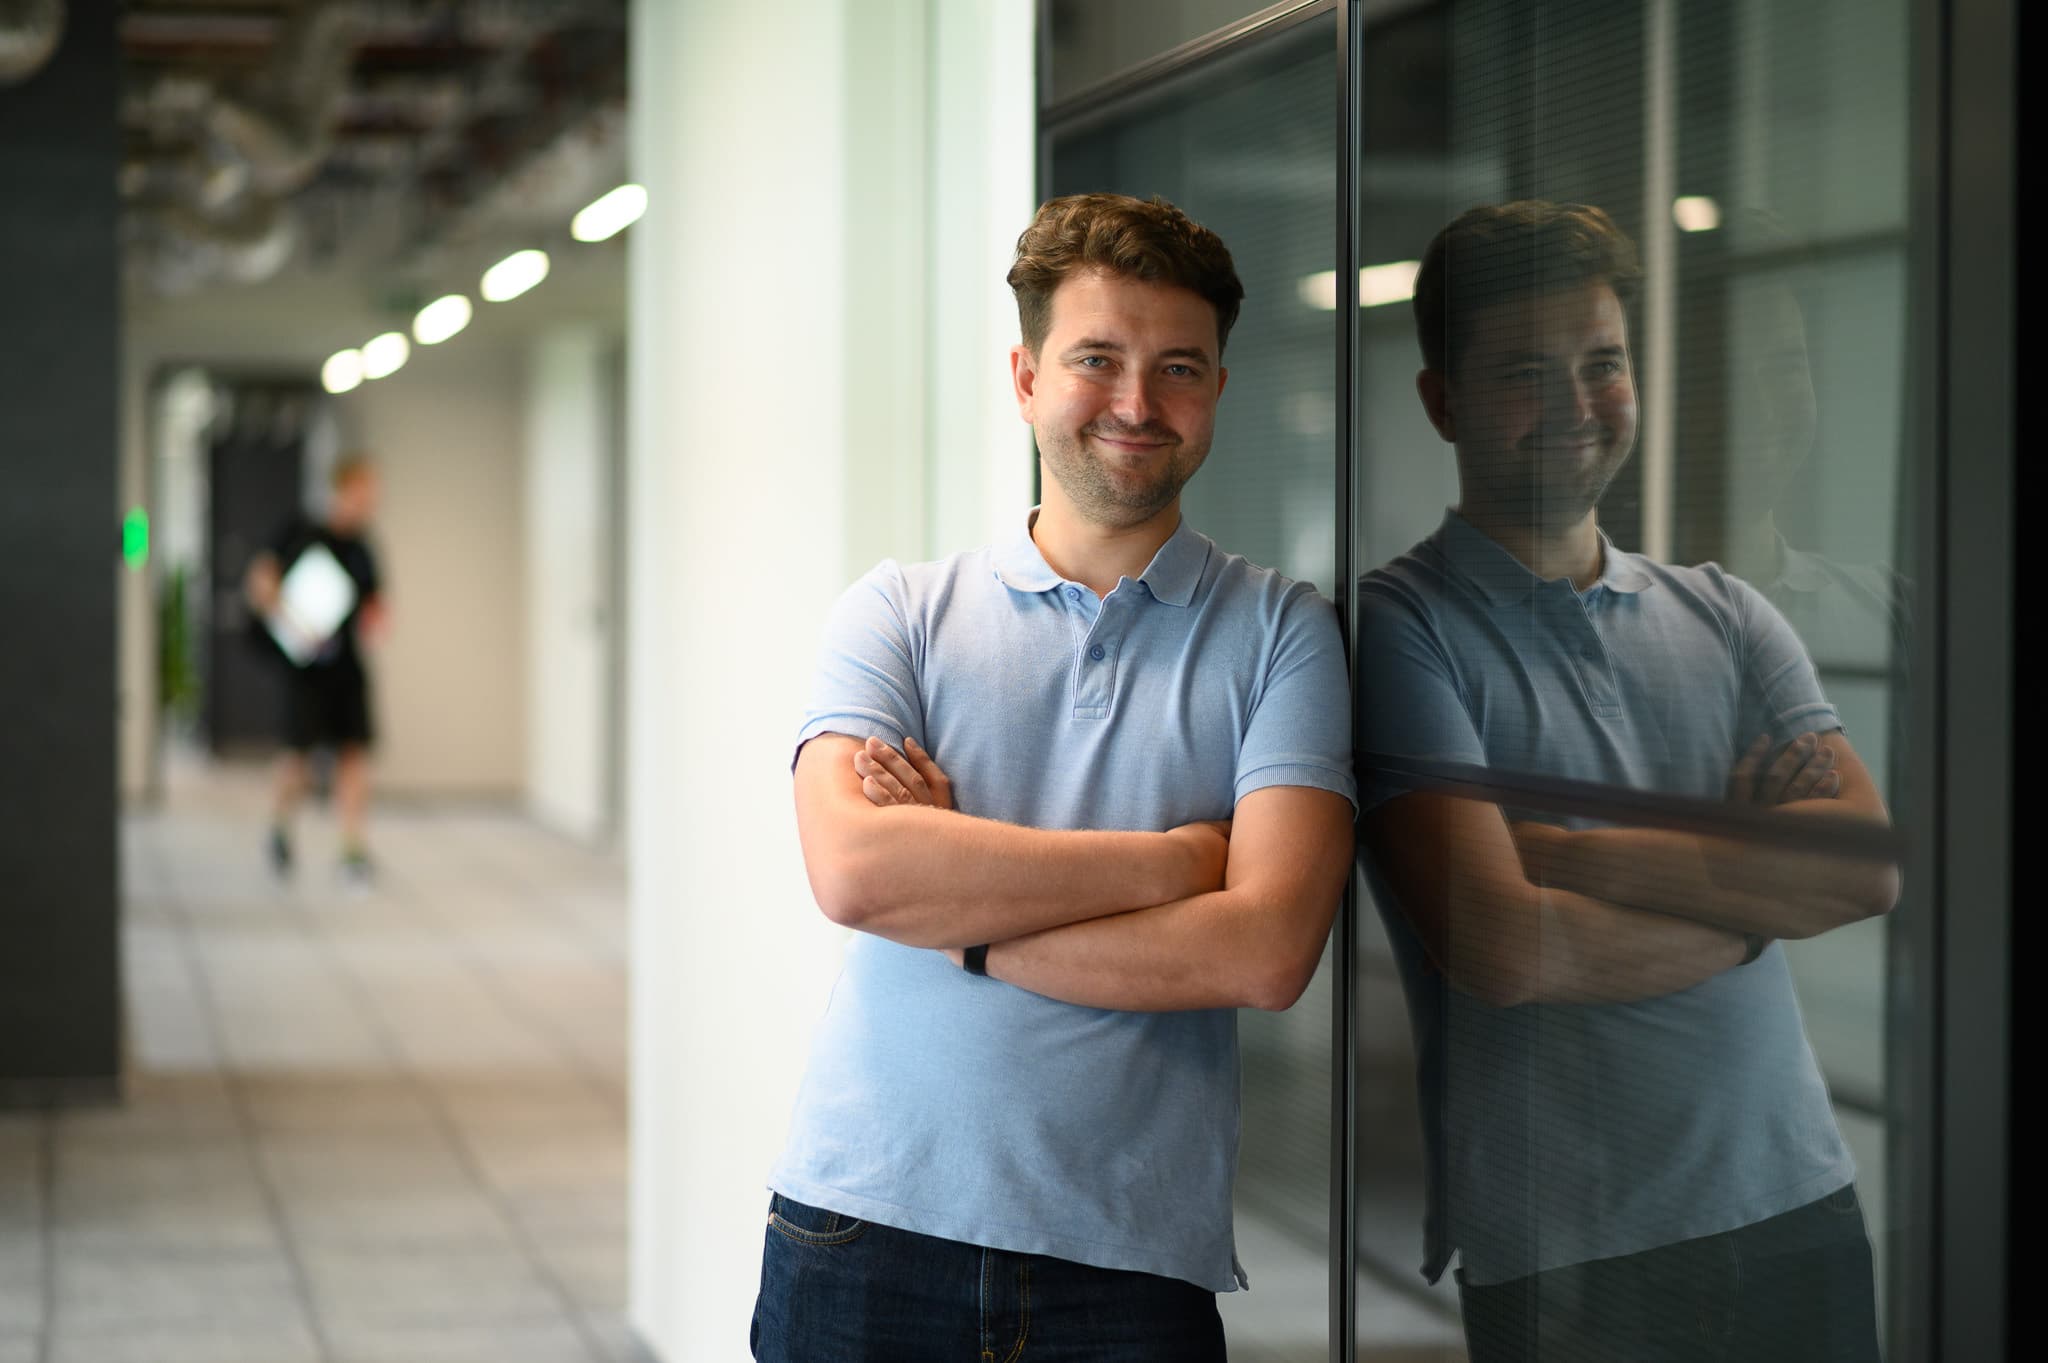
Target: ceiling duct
x: 220, y: 210
x: 29, y: 32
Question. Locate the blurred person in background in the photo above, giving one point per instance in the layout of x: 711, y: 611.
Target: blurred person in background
x: 327, y: 686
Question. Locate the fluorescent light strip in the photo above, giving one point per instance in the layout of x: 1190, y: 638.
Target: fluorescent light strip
x: 1378, y: 285
x: 343, y: 371
x: 514, y: 275
x: 1695, y: 213
x: 610, y: 215
x: 442, y: 318
x: 385, y: 355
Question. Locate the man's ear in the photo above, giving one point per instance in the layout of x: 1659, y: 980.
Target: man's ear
x: 1435, y: 391
x: 1023, y: 379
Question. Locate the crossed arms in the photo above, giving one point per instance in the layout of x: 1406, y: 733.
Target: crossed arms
x: 1529, y: 913
x: 1207, y: 915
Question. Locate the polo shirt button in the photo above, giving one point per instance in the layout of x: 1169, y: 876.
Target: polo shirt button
x: 1073, y: 593
x: 1096, y: 651
x: 1591, y: 655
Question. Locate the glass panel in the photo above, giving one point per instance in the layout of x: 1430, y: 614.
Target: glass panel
x: 1092, y: 40
x: 1645, y: 1047
x: 1251, y: 152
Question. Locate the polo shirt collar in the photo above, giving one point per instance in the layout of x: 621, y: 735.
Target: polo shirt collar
x: 1502, y: 579
x: 1172, y: 575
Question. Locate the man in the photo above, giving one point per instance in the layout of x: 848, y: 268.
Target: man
x: 1020, y: 1114
x: 1630, y: 1146
x: 328, y: 691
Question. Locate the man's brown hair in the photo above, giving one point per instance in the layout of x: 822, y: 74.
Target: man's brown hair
x: 1129, y: 238
x: 350, y: 467
x: 1498, y: 252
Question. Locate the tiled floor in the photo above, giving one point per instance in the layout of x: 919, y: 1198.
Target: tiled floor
x: 375, y: 1128
x: 389, y: 1127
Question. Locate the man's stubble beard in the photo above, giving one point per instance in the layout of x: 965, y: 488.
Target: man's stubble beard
x: 1100, y: 497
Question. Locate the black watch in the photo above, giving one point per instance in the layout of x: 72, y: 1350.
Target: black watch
x: 976, y: 960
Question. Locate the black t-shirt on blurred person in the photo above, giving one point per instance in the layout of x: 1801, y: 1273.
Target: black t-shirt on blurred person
x: 353, y: 553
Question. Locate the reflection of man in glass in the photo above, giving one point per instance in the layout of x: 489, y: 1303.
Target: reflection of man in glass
x: 328, y: 689
x: 1020, y: 1114
x: 1631, y: 1147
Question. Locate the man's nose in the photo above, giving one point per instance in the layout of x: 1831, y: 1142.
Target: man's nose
x: 1568, y: 403
x: 1134, y: 404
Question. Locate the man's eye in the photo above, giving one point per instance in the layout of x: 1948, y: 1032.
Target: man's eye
x: 1181, y: 371
x: 1091, y: 361
x: 1607, y: 369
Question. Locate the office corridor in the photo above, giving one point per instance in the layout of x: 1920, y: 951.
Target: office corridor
x: 384, y: 1125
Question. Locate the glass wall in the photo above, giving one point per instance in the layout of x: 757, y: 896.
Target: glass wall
x: 1250, y: 150
x: 1633, y: 520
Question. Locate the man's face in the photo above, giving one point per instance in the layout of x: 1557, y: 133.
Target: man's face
x: 354, y: 502
x: 1542, y: 404
x: 1122, y: 394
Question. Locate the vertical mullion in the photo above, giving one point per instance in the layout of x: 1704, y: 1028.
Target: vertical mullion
x: 1343, y: 949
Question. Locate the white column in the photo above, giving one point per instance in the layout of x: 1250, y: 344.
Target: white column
x: 569, y: 614
x: 783, y: 287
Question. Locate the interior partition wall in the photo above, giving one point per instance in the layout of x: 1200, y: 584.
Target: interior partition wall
x: 1820, y: 195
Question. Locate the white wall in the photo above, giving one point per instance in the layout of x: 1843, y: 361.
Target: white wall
x: 822, y: 231
x: 569, y: 611
x: 449, y: 681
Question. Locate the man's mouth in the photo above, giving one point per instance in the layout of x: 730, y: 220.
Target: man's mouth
x: 1134, y: 443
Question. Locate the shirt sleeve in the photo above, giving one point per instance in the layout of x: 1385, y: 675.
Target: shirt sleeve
x: 866, y: 684
x: 1410, y: 703
x: 1300, y: 729
x: 1781, y: 693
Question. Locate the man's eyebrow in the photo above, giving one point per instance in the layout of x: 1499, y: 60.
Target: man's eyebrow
x: 1544, y: 357
x: 1179, y: 352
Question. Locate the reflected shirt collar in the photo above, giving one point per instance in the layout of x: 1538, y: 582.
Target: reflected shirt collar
x: 1502, y: 579
x: 1172, y: 575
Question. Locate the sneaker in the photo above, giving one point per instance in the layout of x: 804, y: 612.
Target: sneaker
x: 280, y: 850
x: 355, y: 869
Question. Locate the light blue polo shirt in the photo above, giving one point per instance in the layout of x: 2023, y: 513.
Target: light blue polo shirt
x: 1559, y: 1134
x: 962, y: 1107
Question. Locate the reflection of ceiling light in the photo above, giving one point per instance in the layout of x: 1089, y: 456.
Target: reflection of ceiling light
x: 385, y: 354
x: 343, y: 371
x: 1695, y: 213
x: 440, y: 319
x: 514, y: 275
x: 1392, y: 282
x: 610, y: 215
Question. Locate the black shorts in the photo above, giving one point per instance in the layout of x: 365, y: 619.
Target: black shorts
x: 326, y: 707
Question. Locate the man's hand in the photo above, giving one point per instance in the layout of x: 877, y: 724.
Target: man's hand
x: 910, y: 777
x: 1804, y: 769
x: 263, y: 583
x: 914, y: 777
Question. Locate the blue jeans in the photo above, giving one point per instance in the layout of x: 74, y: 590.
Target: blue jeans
x: 1794, y: 1289
x: 838, y: 1290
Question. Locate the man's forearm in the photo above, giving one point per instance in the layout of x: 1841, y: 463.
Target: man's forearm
x: 1774, y: 891
x: 1219, y: 950
x: 1571, y: 948
x: 937, y: 878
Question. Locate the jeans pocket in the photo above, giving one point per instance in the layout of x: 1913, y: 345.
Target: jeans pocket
x: 808, y: 1225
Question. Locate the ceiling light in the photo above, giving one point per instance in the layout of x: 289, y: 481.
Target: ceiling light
x: 385, y: 354
x: 343, y: 371
x: 1393, y: 282
x: 1695, y: 213
x: 440, y: 319
x: 514, y: 275
x: 610, y: 215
